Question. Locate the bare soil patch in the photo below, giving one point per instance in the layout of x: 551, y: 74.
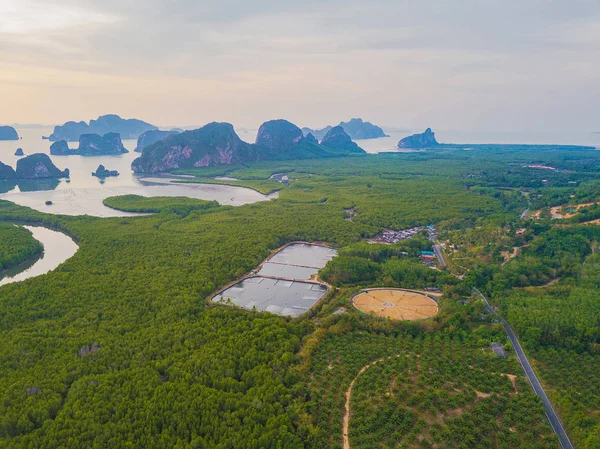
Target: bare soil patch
x: 396, y: 304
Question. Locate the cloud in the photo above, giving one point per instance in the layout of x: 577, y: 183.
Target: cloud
x: 20, y: 17
x: 320, y: 61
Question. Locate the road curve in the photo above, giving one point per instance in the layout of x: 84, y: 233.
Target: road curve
x: 551, y: 414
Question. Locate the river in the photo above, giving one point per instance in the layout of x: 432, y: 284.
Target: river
x: 58, y: 248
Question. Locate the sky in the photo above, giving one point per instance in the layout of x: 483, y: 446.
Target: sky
x: 508, y: 65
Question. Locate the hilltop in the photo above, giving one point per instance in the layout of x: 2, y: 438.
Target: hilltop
x: 218, y: 143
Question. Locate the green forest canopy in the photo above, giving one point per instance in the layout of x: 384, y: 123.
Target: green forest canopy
x: 118, y: 347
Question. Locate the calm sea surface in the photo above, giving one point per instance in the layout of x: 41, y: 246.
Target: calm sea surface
x: 83, y: 194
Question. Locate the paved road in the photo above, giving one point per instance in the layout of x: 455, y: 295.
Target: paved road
x: 438, y: 253
x: 553, y: 418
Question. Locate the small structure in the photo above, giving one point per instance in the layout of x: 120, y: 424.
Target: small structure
x: 498, y: 350
x: 428, y: 255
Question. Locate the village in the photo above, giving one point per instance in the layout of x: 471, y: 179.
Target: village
x: 390, y: 236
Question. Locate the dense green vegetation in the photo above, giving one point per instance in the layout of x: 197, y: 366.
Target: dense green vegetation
x: 119, y: 348
x: 395, y: 265
x: 180, y: 205
x: 571, y: 380
x: 422, y: 393
x: 415, y: 400
x: 18, y: 246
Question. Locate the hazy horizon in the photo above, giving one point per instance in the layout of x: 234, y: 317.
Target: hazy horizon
x: 476, y: 65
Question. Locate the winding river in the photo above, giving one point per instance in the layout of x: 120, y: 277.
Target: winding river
x: 58, y: 247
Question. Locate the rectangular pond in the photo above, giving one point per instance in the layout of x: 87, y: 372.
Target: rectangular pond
x: 279, y: 296
x: 298, y: 261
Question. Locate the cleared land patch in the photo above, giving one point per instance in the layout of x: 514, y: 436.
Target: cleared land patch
x: 396, y: 304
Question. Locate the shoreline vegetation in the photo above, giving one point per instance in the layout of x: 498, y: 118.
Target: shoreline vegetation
x: 18, y: 248
x: 121, y: 335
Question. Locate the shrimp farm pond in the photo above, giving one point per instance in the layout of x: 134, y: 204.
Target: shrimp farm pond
x: 282, y: 285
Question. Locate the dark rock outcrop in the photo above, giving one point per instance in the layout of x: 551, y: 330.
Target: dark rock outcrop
x: 103, y: 172
x: 419, y: 141
x: 32, y: 391
x: 38, y: 166
x: 8, y: 133
x: 19, y: 152
x: 6, y: 171
x: 356, y: 128
x: 152, y: 136
x: 111, y: 123
x: 337, y: 139
x: 95, y: 145
x: 87, y: 350
x: 217, y: 143
x: 60, y: 148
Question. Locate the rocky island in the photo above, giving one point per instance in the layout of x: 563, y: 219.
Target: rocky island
x: 356, y: 128
x: 111, y: 123
x: 419, y: 141
x: 103, y: 172
x: 35, y: 166
x: 213, y: 144
x: 8, y: 133
x: 152, y: 136
x: 91, y: 145
x: 19, y: 152
x: 218, y: 143
x: 338, y: 139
